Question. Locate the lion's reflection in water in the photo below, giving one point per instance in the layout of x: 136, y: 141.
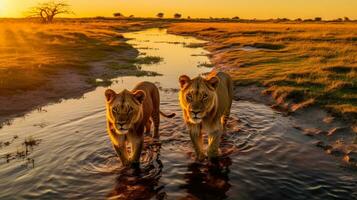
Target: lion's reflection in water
x: 141, y: 182
x: 208, y: 181
x: 202, y: 180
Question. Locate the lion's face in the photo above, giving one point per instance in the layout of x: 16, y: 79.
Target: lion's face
x: 197, y: 97
x: 124, y: 109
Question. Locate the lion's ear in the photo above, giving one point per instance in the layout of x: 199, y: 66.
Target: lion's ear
x: 184, y: 80
x: 139, y: 95
x: 109, y: 95
x: 213, y: 82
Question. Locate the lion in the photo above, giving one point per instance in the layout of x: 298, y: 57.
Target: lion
x: 206, y: 104
x: 129, y: 113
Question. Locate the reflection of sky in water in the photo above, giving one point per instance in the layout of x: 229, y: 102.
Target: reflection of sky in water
x: 177, y: 60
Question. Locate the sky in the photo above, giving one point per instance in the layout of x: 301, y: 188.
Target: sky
x: 260, y: 9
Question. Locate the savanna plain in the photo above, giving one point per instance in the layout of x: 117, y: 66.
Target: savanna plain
x: 303, y: 70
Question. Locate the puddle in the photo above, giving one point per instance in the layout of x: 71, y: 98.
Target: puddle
x: 265, y: 157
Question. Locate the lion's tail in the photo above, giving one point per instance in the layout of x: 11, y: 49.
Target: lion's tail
x: 168, y: 116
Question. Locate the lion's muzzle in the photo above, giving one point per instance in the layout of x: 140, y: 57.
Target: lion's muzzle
x: 195, y: 116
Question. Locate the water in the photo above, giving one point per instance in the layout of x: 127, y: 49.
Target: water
x: 264, y: 157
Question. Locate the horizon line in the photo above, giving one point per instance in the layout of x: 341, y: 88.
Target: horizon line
x: 191, y: 18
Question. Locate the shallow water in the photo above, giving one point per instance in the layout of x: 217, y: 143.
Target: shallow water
x: 72, y: 158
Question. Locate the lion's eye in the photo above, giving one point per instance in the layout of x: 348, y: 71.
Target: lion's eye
x: 189, y: 97
x: 114, y: 110
x: 130, y: 109
x: 205, y: 96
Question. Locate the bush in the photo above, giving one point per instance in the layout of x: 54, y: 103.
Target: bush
x: 318, y: 19
x: 177, y: 15
x: 118, y: 15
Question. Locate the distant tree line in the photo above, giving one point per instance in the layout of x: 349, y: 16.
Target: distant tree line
x: 176, y: 15
x: 161, y: 15
x: 48, y: 11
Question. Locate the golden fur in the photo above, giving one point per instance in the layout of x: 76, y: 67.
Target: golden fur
x: 129, y: 113
x: 206, y: 104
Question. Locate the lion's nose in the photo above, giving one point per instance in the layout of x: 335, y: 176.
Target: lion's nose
x: 195, y: 112
x: 121, y: 124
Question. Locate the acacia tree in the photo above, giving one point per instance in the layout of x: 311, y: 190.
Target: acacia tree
x: 48, y: 11
x: 118, y: 14
x: 177, y: 15
x: 318, y: 19
x: 160, y: 15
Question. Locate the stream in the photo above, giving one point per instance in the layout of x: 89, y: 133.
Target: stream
x: 62, y: 151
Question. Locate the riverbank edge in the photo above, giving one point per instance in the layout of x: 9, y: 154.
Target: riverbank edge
x: 71, y: 83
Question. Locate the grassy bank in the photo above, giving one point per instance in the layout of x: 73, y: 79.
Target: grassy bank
x: 299, y: 64
x: 44, y: 63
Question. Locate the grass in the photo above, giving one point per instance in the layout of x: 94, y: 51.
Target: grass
x: 205, y: 64
x: 148, y: 60
x: 50, y: 62
x: 300, y: 63
x: 22, y: 152
x: 31, y: 54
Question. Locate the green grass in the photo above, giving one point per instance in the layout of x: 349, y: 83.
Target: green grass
x: 314, y: 63
x: 205, y: 64
x: 148, y: 60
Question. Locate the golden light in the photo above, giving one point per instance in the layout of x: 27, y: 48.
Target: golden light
x: 2, y: 7
x: 7, y: 9
x: 332, y: 9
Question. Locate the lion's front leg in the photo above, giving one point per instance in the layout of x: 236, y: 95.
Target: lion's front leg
x: 197, y: 140
x: 214, y: 140
x: 119, y: 145
x: 136, y: 148
x: 122, y: 153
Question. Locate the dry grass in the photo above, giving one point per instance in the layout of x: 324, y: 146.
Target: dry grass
x: 43, y: 63
x: 31, y: 53
x: 299, y: 62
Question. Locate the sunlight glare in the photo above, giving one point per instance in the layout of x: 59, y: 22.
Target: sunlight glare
x: 2, y: 7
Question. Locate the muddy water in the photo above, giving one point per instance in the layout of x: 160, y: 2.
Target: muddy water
x: 69, y: 155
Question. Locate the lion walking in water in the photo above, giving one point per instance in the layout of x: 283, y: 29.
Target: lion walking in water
x: 129, y: 114
x: 206, y: 104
